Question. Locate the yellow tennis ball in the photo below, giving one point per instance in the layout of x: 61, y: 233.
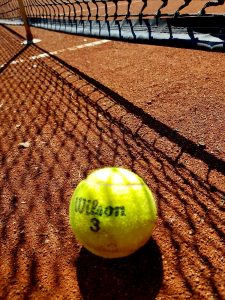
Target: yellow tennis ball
x: 112, y: 212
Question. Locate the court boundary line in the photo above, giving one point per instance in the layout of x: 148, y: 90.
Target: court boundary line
x: 48, y: 54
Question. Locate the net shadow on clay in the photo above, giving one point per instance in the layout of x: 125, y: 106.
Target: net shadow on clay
x: 73, y: 122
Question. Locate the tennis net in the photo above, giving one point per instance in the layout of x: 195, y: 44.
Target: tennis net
x: 172, y: 22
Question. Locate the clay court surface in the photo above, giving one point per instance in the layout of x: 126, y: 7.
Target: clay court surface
x: 80, y: 105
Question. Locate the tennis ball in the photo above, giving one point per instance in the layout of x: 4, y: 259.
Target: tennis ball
x: 112, y: 212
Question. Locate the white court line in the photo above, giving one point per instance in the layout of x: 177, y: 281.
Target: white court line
x: 44, y: 55
x: 70, y: 49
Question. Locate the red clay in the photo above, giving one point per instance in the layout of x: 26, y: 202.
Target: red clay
x: 158, y: 111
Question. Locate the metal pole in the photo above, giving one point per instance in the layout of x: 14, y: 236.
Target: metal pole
x: 25, y: 21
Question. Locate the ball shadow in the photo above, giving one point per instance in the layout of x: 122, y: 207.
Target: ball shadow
x: 138, y: 276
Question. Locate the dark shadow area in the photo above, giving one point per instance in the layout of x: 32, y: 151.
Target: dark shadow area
x: 138, y: 276
x: 2, y: 68
x: 9, y: 53
x: 73, y: 124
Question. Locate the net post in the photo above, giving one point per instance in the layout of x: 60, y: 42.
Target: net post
x: 25, y: 21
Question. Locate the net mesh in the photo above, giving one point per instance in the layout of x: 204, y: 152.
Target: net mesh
x: 196, y: 22
x: 110, y: 9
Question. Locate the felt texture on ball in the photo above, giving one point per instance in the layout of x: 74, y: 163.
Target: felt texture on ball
x: 112, y: 212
